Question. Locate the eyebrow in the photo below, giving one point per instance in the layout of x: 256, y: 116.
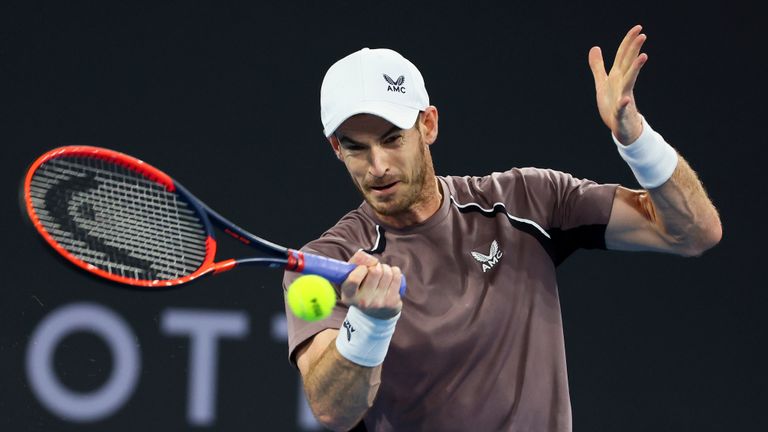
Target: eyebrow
x: 384, y: 135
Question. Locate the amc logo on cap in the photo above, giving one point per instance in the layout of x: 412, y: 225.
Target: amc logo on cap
x: 395, y: 85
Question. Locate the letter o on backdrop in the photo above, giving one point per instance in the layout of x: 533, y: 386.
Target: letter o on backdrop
x: 126, y: 363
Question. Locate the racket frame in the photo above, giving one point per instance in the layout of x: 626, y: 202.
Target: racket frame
x: 281, y: 257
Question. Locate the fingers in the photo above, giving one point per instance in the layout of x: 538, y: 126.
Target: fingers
x: 632, y: 52
x: 626, y: 46
x: 372, y: 286
x: 615, y: 90
x: 633, y: 73
x: 626, y: 65
x: 393, y: 291
x: 626, y: 58
x: 383, y: 298
x: 362, y: 258
x: 350, y: 285
x: 370, y: 289
x: 597, y: 65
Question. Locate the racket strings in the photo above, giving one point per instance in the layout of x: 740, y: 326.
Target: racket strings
x: 187, y: 228
x: 116, y: 219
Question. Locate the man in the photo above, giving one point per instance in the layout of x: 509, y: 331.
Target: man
x: 476, y: 343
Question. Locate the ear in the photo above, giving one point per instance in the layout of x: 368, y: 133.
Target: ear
x: 335, y: 146
x: 428, y: 124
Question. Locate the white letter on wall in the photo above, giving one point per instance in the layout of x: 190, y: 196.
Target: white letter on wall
x: 204, y: 327
x: 112, y: 329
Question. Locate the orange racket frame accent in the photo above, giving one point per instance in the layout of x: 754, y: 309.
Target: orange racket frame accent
x: 142, y: 168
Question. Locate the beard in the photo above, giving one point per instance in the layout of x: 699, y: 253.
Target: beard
x: 412, y: 191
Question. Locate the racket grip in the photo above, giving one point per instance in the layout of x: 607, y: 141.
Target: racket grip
x: 332, y: 269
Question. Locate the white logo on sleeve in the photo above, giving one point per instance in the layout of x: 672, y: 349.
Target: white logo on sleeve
x: 490, y: 260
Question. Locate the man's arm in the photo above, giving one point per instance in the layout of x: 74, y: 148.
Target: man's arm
x: 339, y: 390
x: 674, y: 213
x: 676, y: 217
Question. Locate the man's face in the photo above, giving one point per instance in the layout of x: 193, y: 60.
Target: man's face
x: 390, y: 166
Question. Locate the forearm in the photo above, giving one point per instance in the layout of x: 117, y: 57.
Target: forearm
x: 684, y: 212
x: 341, y: 368
x: 340, y: 391
x: 673, y: 214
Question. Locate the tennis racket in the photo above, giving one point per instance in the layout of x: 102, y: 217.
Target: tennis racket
x: 119, y: 218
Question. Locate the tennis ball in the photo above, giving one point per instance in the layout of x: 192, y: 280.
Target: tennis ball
x: 311, y: 297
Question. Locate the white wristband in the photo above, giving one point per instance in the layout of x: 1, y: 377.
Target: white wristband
x: 363, y: 339
x: 652, y: 160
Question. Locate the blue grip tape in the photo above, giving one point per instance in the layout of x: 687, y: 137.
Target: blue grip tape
x: 334, y: 270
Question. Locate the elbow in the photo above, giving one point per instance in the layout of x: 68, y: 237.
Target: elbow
x: 332, y: 420
x: 707, y: 238
x: 327, y: 421
x: 334, y: 423
x: 325, y: 417
x: 715, y: 234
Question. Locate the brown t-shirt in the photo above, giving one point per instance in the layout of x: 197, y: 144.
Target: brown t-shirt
x: 479, y: 345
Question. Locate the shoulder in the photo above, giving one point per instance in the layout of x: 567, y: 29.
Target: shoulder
x: 498, y: 186
x: 353, y: 231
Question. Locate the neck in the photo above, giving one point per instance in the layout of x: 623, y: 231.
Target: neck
x: 421, y: 210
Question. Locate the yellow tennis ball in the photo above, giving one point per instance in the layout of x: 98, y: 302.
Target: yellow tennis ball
x: 311, y: 297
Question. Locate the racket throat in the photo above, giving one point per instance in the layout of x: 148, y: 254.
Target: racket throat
x: 224, y: 266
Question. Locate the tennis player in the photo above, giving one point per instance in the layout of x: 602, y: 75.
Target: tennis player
x: 477, y: 341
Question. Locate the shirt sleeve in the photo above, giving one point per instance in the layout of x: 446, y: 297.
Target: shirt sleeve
x: 300, y: 331
x: 573, y: 211
x: 579, y: 211
x: 578, y: 202
x: 340, y: 242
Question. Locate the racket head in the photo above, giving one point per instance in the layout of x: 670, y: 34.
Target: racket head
x: 118, y: 218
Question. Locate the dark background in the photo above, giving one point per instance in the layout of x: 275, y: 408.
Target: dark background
x: 225, y: 97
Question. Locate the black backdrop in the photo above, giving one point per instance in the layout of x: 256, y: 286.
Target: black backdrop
x: 225, y: 97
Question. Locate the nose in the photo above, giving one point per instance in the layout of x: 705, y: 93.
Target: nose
x: 378, y: 162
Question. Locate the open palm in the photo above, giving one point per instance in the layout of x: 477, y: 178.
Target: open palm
x: 614, y: 90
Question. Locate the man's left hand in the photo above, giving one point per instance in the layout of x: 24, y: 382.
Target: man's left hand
x: 614, y: 90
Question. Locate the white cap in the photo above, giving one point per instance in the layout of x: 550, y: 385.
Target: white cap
x: 372, y: 81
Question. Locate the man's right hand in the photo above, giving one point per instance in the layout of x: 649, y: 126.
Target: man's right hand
x: 373, y: 287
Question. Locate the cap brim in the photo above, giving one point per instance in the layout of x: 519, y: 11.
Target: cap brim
x: 399, y: 115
